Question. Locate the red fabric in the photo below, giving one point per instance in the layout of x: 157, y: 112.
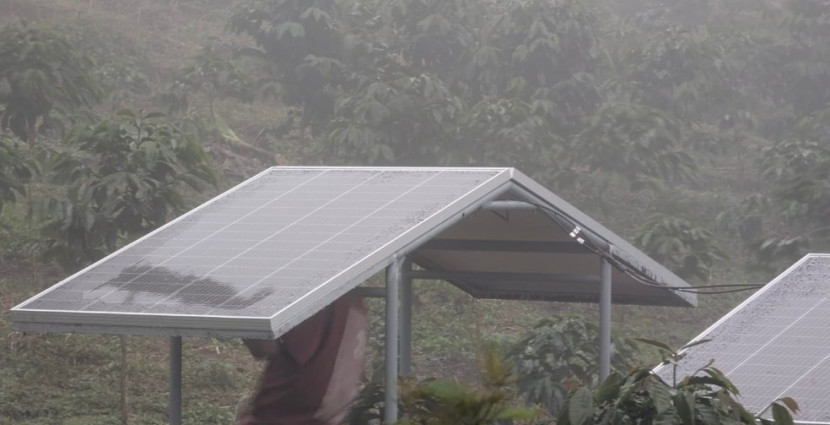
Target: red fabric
x: 294, y: 384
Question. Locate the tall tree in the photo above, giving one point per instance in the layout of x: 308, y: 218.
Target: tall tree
x: 15, y: 168
x: 39, y: 71
x: 633, y: 141
x: 124, y: 176
x: 302, y: 44
x: 684, y: 248
x: 806, y: 65
x: 792, y: 214
x: 430, y: 82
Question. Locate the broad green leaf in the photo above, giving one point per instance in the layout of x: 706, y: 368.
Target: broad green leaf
x: 444, y: 389
x: 666, y: 418
x: 581, y: 407
x: 743, y: 413
x: 694, y: 343
x: 654, y: 343
x: 684, y: 403
x: 722, y: 380
x: 660, y: 395
x: 700, y: 380
x: 708, y: 414
x: 516, y: 413
x: 151, y: 115
x: 609, y: 389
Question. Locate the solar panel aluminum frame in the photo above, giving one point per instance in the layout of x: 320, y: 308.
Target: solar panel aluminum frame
x: 288, y: 317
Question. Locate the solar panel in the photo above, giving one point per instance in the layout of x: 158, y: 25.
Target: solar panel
x: 276, y: 242
x: 777, y: 343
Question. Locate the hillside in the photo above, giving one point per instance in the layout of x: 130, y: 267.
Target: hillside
x: 705, y: 146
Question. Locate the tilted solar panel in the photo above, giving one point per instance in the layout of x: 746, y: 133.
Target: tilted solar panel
x: 777, y: 343
x: 279, y: 241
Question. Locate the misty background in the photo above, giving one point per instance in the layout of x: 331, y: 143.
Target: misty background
x: 697, y: 129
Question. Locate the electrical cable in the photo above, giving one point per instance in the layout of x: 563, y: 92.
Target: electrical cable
x: 585, y: 238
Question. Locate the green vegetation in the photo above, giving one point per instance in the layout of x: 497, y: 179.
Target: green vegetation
x: 698, y: 132
x: 560, y: 352
x: 126, y: 176
x: 704, y: 397
x: 42, y: 71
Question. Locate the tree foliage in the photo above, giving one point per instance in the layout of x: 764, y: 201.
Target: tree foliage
x: 124, y: 176
x: 705, y: 397
x: 676, y: 243
x: 426, y: 82
x: 39, y: 71
x: 15, y: 168
x: 301, y: 43
x: 682, y: 71
x: 217, y: 72
x: 560, y: 352
x: 390, y: 121
x: 565, y: 90
x: 798, y: 195
x: 636, y: 142
x: 444, y: 402
x: 806, y: 55
x: 122, y: 69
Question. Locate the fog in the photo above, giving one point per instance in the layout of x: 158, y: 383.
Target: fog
x: 698, y: 130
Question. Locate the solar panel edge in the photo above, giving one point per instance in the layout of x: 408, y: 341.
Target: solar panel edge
x: 797, y: 422
x: 402, y: 168
x: 139, y: 330
x: 120, y: 323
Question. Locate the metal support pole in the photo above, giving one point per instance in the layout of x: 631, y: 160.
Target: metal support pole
x: 604, y: 319
x: 175, y: 380
x: 406, y: 319
x: 390, y: 402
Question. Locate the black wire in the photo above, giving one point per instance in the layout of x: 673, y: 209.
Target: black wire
x: 633, y: 272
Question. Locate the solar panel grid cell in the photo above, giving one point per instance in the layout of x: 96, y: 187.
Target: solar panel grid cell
x: 257, y: 249
x: 777, y: 343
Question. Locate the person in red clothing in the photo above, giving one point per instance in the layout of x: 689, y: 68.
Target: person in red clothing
x: 313, y: 371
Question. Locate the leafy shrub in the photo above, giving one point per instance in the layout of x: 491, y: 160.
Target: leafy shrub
x: 706, y: 397
x: 686, y: 249
x: 444, y: 402
x: 558, y: 352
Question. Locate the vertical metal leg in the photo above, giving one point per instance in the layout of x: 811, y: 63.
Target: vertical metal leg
x: 175, y: 380
x: 390, y: 404
x: 604, y: 319
x: 406, y: 320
